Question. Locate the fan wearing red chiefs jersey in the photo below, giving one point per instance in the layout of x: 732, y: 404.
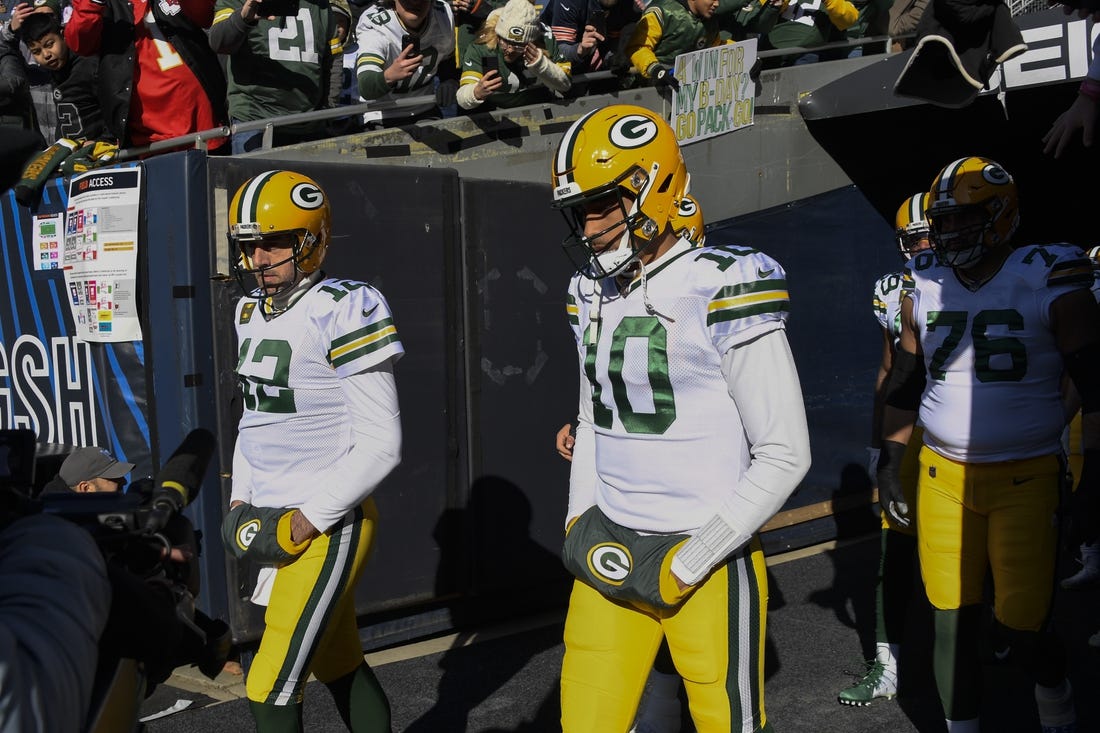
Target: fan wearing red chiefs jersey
x: 158, y: 77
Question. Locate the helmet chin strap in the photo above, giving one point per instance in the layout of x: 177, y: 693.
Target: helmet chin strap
x: 280, y: 302
x: 610, y: 259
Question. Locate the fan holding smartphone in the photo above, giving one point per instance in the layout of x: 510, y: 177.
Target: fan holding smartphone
x: 513, y: 60
x: 403, y: 50
x: 255, y: 36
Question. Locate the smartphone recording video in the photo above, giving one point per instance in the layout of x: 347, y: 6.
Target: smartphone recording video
x: 278, y: 8
x: 410, y: 40
x: 598, y: 20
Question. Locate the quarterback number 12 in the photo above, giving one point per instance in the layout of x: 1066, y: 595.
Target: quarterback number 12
x: 273, y: 394
x: 652, y: 331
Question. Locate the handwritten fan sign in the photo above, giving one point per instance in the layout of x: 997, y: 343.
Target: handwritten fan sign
x: 716, y: 93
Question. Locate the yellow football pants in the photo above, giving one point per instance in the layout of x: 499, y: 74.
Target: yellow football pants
x: 716, y: 638
x: 996, y: 515
x: 311, y: 625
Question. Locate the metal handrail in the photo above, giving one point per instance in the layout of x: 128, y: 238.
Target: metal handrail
x: 199, y: 139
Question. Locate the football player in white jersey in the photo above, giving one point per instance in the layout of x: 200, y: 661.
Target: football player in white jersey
x: 987, y: 332
x: 321, y: 428
x: 894, y: 584
x: 659, y: 709
x: 692, y: 433
x: 404, y: 45
x: 687, y: 222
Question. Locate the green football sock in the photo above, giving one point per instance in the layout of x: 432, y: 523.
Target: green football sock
x: 361, y: 701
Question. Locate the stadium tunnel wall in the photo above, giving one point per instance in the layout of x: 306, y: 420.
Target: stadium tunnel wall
x: 472, y: 518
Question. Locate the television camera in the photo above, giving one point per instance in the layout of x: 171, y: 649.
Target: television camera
x: 149, y: 547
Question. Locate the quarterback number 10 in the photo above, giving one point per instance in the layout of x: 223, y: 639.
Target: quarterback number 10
x: 652, y: 331
x: 985, y: 348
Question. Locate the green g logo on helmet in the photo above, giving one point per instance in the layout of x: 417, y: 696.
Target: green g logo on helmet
x: 632, y: 131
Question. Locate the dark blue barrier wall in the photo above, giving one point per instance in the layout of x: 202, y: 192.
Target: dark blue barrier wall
x: 67, y: 391
x: 77, y: 393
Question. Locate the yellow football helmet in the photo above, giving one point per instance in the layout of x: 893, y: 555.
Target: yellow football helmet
x: 627, y: 156
x: 277, y: 204
x: 973, y: 207
x: 688, y: 220
x: 910, y: 226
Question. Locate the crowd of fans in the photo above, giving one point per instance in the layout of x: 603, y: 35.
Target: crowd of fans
x: 131, y: 74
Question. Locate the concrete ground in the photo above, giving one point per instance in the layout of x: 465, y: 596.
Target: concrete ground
x: 820, y: 628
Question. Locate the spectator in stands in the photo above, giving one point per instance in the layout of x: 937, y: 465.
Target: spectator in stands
x: 280, y: 63
x: 39, y: 83
x: 403, y: 46
x: 342, y: 37
x: 1084, y: 112
x: 512, y: 53
x: 79, y: 115
x: 742, y: 19
x: 344, y: 89
x: 904, y: 17
x: 874, y: 16
x: 16, y: 108
x: 158, y: 77
x: 667, y: 29
x: 470, y: 16
x: 808, y: 25
x: 590, y: 32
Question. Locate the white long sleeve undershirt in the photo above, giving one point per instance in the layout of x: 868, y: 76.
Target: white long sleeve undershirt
x: 371, y: 398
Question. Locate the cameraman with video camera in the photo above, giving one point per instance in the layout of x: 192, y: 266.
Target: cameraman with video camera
x: 54, y: 603
x: 99, y: 584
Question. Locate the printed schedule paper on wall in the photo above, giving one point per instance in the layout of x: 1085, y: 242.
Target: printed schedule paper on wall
x: 99, y: 258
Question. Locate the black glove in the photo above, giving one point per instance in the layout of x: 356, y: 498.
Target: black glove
x: 662, y: 78
x: 890, y: 496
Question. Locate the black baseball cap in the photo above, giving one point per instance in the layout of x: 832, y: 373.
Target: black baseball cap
x: 85, y: 464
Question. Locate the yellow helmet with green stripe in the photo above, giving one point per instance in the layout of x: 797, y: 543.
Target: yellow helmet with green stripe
x: 279, y: 204
x: 627, y: 156
x: 911, y: 226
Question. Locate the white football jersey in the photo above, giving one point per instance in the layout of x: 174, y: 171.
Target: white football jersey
x: 994, y: 371
x: 295, y: 422
x: 887, y: 304
x: 379, y: 33
x: 655, y: 374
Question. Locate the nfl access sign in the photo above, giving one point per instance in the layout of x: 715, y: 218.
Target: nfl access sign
x: 716, y: 93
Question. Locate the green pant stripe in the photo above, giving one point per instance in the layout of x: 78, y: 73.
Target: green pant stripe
x: 322, y: 602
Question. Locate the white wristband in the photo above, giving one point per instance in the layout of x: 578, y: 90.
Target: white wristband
x: 712, y: 544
